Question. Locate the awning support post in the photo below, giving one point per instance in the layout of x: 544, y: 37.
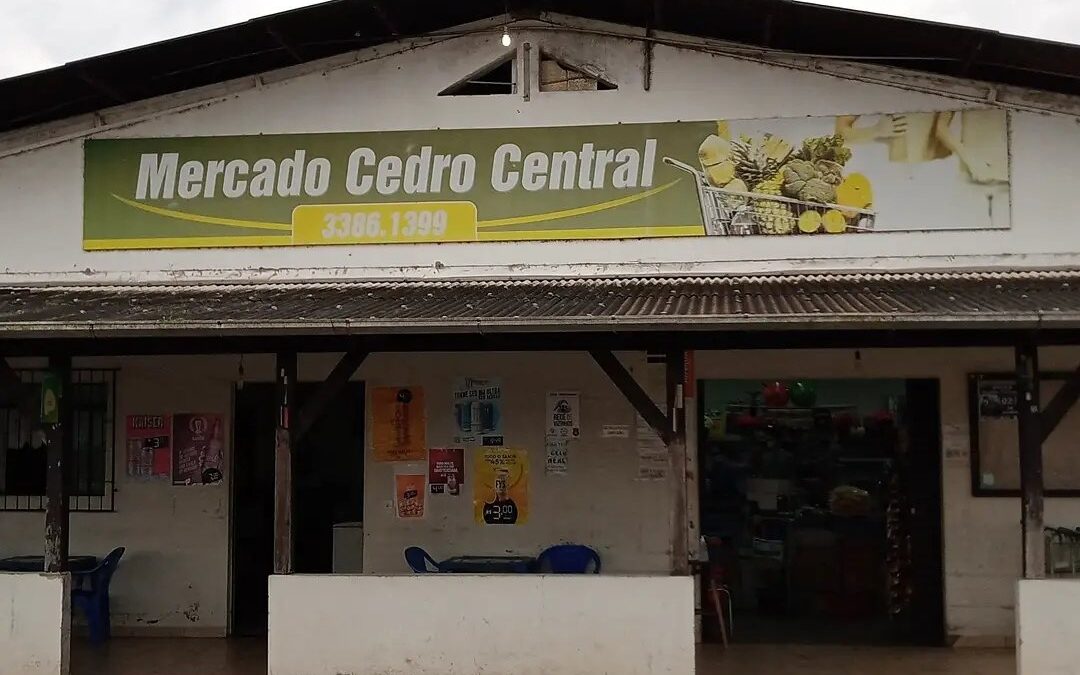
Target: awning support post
x: 676, y: 443
x: 670, y: 426
x: 57, y: 454
x: 1031, y: 460
x: 314, y: 408
x: 285, y: 377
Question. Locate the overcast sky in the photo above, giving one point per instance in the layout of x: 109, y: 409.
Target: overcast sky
x: 37, y: 34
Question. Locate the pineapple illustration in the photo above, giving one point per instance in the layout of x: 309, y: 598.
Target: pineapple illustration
x: 757, y: 160
x: 772, y: 217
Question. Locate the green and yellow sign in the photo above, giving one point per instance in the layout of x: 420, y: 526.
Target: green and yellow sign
x: 804, y: 175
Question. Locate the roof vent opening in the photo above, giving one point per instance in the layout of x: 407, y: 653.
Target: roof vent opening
x: 557, y: 75
x: 499, y: 77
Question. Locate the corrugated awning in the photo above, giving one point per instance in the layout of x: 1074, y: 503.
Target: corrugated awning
x: 1006, y: 300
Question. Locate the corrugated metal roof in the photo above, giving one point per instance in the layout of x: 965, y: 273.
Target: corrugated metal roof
x: 827, y: 301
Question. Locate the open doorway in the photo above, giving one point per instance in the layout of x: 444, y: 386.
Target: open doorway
x: 328, y: 480
x: 821, y: 509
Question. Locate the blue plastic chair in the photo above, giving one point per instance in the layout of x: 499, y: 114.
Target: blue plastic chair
x: 568, y: 559
x: 90, y: 593
x: 419, y: 560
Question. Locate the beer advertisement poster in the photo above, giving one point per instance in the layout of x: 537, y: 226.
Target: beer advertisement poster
x: 148, y: 440
x: 501, y: 486
x: 199, y: 452
x: 398, y: 424
x: 478, y: 411
x: 446, y: 470
x: 409, y: 494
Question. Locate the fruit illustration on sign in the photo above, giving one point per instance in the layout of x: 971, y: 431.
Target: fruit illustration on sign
x: 787, y: 190
x: 834, y: 222
x: 855, y: 191
x: 809, y: 222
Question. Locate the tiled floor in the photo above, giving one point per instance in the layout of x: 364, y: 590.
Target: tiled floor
x: 248, y: 657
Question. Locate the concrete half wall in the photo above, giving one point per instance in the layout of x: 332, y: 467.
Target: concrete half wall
x: 1047, y: 625
x: 35, y: 611
x: 470, y: 624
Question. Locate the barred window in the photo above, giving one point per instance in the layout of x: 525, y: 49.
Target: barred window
x: 89, y: 472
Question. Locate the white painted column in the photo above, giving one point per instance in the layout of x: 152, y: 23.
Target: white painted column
x: 35, y: 623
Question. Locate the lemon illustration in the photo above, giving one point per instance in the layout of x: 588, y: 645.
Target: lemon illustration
x: 810, y: 222
x: 855, y: 191
x: 834, y: 221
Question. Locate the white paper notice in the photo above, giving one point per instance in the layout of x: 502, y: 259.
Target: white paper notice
x: 557, y: 452
x: 615, y: 431
x: 563, y: 414
x: 651, y: 451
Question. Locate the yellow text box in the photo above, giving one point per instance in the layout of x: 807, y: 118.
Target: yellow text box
x: 393, y: 223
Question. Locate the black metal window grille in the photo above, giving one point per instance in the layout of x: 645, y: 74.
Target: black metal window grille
x: 90, y: 471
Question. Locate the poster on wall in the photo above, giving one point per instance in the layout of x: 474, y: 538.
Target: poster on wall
x: 563, y: 416
x: 500, y: 486
x: 798, y: 176
x: 148, y: 442
x: 997, y: 398
x: 446, y: 470
x: 409, y: 495
x: 557, y: 451
x: 199, y: 448
x: 398, y: 423
x: 478, y: 411
x: 651, y: 451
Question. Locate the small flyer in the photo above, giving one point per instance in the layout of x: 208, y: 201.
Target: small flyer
x: 651, y: 451
x: 500, y: 486
x: 563, y: 414
x: 557, y: 451
x: 446, y: 470
x: 409, y: 495
x: 399, y: 424
x: 149, y: 441
x: 199, y: 454
x: 478, y: 411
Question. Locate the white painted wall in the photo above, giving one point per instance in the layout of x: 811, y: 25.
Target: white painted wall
x: 598, y: 503
x: 982, y: 535
x: 35, y: 615
x: 381, y: 90
x: 1047, y: 624
x: 173, y: 576
x: 466, y: 625
x: 177, y: 538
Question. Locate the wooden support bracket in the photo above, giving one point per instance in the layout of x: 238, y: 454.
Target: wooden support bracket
x: 315, y: 406
x: 642, y: 402
x: 1060, y: 405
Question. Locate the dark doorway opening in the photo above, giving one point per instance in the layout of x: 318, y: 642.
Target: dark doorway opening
x: 328, y: 481
x: 821, y: 509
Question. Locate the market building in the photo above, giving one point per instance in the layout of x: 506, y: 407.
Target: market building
x: 769, y: 299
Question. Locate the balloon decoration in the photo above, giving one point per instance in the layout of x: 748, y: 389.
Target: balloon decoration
x: 776, y: 394
x: 803, y: 394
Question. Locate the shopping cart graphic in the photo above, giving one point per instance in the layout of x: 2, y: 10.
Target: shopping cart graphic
x: 733, y: 212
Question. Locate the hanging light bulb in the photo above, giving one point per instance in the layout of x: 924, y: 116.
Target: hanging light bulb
x: 506, y: 41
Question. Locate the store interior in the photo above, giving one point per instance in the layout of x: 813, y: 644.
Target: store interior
x: 807, y: 509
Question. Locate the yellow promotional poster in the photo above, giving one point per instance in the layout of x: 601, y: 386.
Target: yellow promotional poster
x: 501, y: 486
x: 829, y: 175
x: 398, y: 424
x: 409, y: 494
